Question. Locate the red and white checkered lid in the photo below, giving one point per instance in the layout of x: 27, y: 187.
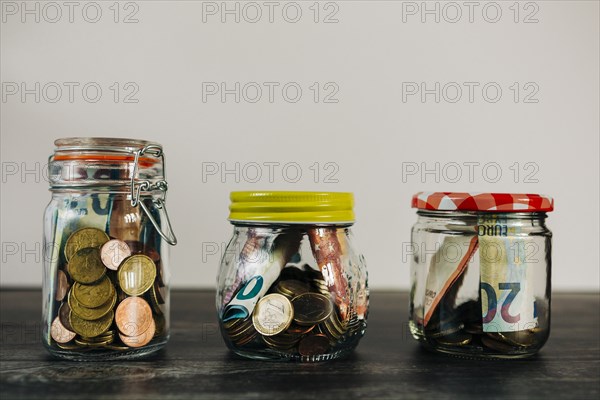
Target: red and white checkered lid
x: 498, y: 202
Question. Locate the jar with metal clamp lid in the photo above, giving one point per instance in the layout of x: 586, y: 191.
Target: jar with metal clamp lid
x: 106, y: 240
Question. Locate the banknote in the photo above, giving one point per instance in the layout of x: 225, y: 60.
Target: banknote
x: 446, y: 266
x: 506, y: 277
x: 266, y: 273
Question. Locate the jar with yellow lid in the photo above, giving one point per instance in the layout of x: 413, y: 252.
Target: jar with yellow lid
x: 291, y: 285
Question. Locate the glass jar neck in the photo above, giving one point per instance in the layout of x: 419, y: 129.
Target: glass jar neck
x: 105, y: 162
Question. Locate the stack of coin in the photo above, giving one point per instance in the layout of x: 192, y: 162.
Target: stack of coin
x: 110, y: 293
x: 297, y: 317
x: 462, y: 326
x: 240, y: 331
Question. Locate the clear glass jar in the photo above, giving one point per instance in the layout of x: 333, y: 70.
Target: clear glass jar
x: 291, y: 286
x: 106, y: 264
x: 480, y: 274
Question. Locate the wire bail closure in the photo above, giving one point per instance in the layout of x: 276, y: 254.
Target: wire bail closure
x: 138, y: 185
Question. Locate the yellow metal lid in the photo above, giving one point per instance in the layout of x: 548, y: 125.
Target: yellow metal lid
x: 292, y: 207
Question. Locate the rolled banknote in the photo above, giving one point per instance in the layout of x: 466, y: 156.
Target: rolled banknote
x: 327, y: 251
x: 446, y: 266
x: 248, y: 261
x: 242, y: 305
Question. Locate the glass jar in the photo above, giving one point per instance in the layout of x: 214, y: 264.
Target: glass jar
x: 106, y: 264
x: 290, y: 285
x: 480, y: 273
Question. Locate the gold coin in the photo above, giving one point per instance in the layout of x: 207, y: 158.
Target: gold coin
x: 92, y: 296
x: 501, y: 347
x: 88, y: 328
x: 455, y: 339
x: 90, y: 314
x: 82, y: 238
x: 272, y: 314
x: 523, y: 338
x: 68, y: 346
x: 86, y: 266
x: 136, y: 274
x: 86, y: 343
x: 311, y: 308
x: 292, y: 288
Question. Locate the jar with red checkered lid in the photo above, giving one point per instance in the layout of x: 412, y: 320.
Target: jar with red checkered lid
x: 480, y: 273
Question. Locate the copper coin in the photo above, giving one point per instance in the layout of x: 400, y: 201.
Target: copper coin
x: 113, y: 253
x: 133, y: 316
x: 62, y: 285
x: 59, y: 333
x: 313, y: 345
x: 140, y: 340
x: 63, y: 315
x: 300, y: 330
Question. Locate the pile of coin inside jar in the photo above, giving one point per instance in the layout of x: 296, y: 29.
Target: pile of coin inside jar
x: 462, y: 327
x: 110, y: 294
x: 297, y: 317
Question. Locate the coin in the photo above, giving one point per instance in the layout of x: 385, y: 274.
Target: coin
x: 113, y: 253
x: 86, y: 266
x: 455, y: 339
x: 523, y: 338
x: 283, y: 341
x: 301, y: 330
x: 240, y: 331
x: 94, y: 295
x: 136, y: 274
x: 311, y: 308
x: 88, y: 328
x: 496, y: 345
x: 474, y: 328
x: 140, y: 340
x: 90, y: 314
x: 63, y: 315
x: 292, y: 288
x: 272, y: 314
x: 133, y: 316
x: 82, y: 238
x: 62, y: 285
x: 69, y: 347
x: 313, y: 345
x: 59, y: 333
x: 86, y: 343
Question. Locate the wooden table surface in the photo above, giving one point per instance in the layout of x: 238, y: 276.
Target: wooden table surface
x: 387, y: 364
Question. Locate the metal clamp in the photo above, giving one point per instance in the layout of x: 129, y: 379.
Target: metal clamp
x: 138, y: 185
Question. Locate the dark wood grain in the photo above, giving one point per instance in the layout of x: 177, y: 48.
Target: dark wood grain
x: 387, y: 364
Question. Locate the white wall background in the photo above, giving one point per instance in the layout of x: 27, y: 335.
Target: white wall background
x: 368, y: 134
